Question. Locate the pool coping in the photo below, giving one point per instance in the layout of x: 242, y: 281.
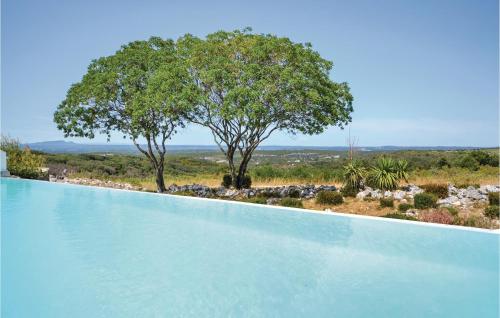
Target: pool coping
x: 331, y: 213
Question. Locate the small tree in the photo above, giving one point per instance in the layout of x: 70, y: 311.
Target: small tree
x: 251, y: 85
x: 139, y: 92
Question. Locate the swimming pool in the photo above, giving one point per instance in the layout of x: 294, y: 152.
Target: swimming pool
x: 75, y: 251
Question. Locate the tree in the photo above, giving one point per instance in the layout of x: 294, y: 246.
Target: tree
x: 251, y: 85
x: 120, y: 93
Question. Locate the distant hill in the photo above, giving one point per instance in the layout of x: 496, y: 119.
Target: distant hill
x: 62, y: 146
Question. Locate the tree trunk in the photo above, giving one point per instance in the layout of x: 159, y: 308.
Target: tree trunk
x: 160, y: 182
x: 242, y: 170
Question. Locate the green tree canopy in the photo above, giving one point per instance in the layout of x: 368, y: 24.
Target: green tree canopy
x: 119, y: 93
x: 251, y: 85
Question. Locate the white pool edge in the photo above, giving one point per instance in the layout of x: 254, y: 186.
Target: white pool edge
x: 332, y: 213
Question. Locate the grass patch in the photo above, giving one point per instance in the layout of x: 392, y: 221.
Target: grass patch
x: 329, y: 197
x: 291, y: 203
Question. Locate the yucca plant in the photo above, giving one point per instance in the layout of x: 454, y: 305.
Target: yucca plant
x: 401, y: 169
x: 354, y: 175
x: 383, y: 174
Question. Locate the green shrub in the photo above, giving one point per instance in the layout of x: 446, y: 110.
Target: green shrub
x: 443, y: 162
x: 439, y: 190
x: 186, y: 193
x: 468, y: 162
x: 383, y: 174
x: 227, y: 181
x: 354, y: 175
x: 22, y: 162
x: 329, y: 197
x: 452, y: 210
x: 494, y: 198
x: 291, y: 203
x: 424, y: 200
x: 386, y: 202
x: 348, y: 191
x: 399, y: 216
x: 403, y: 207
x: 246, y: 182
x: 256, y: 200
x: 492, y: 211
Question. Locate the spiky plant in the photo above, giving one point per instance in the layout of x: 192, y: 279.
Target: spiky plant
x: 401, y: 168
x: 354, y: 175
x: 383, y: 174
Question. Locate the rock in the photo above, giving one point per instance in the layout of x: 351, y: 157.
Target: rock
x: 411, y: 212
x: 399, y: 195
x: 272, y: 201
x: 451, y: 200
x: 363, y: 194
x: 387, y: 194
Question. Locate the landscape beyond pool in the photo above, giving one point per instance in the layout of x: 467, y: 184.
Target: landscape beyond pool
x: 73, y: 251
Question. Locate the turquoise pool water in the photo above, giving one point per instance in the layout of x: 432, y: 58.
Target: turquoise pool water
x: 73, y: 251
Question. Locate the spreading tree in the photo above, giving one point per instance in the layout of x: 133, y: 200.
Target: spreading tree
x: 119, y: 94
x: 251, y: 85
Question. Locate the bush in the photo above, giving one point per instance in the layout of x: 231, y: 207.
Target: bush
x: 438, y: 216
x: 227, y: 181
x: 494, y: 198
x: 22, y: 162
x: 400, y: 216
x: 424, y: 200
x: 403, y: 207
x: 466, y: 185
x: 492, y: 211
x: 442, y: 162
x: 354, y: 175
x: 468, y: 162
x: 440, y: 190
x: 452, y: 210
x: 256, y: 200
x: 474, y: 221
x: 386, y: 202
x: 246, y: 182
x: 329, y: 197
x: 291, y: 203
x: 348, y: 191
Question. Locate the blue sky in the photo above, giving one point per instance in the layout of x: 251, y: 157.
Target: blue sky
x: 422, y: 73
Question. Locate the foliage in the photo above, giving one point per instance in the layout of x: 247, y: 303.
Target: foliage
x: 494, y: 198
x: 291, y: 202
x: 492, y: 211
x: 142, y: 92
x: 246, y: 182
x: 469, y: 162
x: 401, y: 169
x: 474, y: 221
x: 424, y: 200
x: 354, y: 175
x: 439, y: 190
x: 329, y: 197
x: 250, y: 85
x: 484, y: 158
x: 227, y: 180
x: 384, y: 175
x: 438, y: 216
x: 443, y: 162
x: 400, y: 216
x: 348, y: 191
x: 22, y: 162
x: 403, y: 207
x: 452, y: 210
x: 256, y: 200
x: 386, y: 202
